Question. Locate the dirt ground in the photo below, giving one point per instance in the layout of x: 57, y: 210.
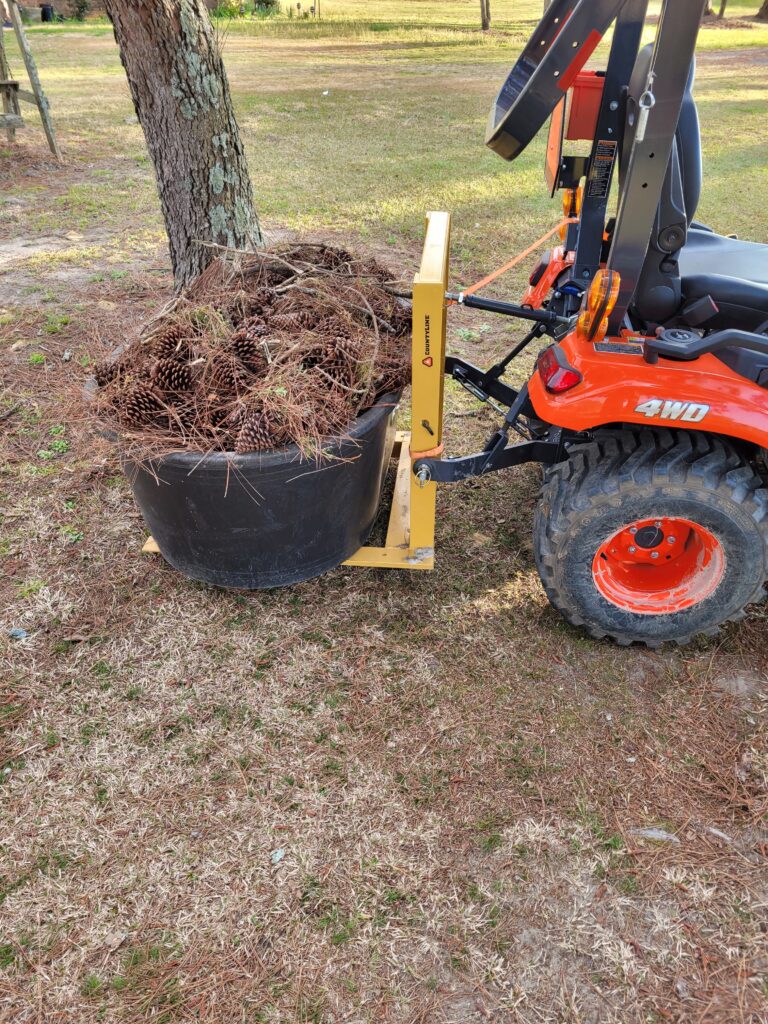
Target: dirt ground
x: 372, y: 797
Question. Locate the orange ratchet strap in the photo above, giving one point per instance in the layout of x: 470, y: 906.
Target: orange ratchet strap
x: 430, y: 453
x: 515, y: 260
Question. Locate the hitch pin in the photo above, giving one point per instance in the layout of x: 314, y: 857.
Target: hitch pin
x: 424, y: 475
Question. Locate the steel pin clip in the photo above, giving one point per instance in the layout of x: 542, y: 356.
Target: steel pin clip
x: 645, y: 104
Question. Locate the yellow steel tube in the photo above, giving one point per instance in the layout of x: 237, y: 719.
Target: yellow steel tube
x: 428, y: 386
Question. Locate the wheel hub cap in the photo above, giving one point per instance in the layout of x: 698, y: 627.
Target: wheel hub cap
x: 658, y: 566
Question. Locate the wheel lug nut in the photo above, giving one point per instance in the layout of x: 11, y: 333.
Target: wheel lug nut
x: 670, y: 540
x: 633, y: 529
x: 654, y: 554
x: 632, y: 550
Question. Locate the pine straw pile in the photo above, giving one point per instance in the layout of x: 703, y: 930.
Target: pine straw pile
x: 264, y: 350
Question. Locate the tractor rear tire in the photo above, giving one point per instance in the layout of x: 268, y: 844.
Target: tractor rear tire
x: 700, y: 512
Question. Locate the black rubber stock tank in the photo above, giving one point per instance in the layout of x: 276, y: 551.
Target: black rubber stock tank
x: 267, y: 519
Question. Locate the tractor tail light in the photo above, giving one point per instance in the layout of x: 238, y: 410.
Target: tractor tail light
x: 597, y: 305
x: 556, y: 373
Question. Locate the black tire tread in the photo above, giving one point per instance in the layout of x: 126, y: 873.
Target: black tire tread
x: 617, y: 461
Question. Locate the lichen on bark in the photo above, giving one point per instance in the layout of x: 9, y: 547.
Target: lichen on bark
x: 181, y: 94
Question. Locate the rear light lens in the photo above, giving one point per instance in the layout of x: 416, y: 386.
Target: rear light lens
x: 556, y: 375
x: 572, y: 198
x: 572, y: 201
x: 597, y: 305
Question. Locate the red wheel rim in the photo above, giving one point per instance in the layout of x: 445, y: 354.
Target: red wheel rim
x: 658, y: 566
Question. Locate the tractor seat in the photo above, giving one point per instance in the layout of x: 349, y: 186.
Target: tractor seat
x: 733, y: 273
x: 741, y: 294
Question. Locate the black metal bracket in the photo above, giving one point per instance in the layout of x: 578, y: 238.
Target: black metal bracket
x: 478, y: 382
x: 572, y: 170
x: 497, y: 453
x: 450, y: 471
x: 496, y: 371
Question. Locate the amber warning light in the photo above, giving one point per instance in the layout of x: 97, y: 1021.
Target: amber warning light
x: 597, y: 305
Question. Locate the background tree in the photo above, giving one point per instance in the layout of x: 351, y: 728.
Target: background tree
x: 762, y: 14
x: 485, y: 14
x: 723, y: 5
x: 181, y: 95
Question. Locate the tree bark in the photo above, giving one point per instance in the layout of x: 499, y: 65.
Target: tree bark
x: 181, y: 95
x: 762, y: 14
x: 485, y: 14
x: 723, y: 5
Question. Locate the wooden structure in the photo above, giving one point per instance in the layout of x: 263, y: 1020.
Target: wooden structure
x: 13, y: 95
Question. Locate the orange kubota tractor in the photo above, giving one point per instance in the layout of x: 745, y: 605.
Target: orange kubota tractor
x: 648, y: 405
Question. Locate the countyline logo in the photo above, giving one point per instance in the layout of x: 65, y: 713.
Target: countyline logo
x: 427, y: 360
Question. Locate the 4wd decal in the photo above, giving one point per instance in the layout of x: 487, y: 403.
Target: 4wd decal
x: 667, y: 409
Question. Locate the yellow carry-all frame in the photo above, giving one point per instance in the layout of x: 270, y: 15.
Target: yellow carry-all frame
x: 410, y: 541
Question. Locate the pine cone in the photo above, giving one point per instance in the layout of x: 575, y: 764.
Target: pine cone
x: 225, y: 373
x: 171, y: 375
x: 333, y: 258
x: 107, y: 371
x: 255, y: 434
x: 260, y: 300
x: 335, y: 326
x: 332, y: 354
x: 251, y: 329
x: 217, y: 417
x: 168, y: 342
x: 343, y: 375
x: 288, y: 322
x: 140, y: 406
x: 341, y: 357
x: 235, y: 416
x: 249, y: 349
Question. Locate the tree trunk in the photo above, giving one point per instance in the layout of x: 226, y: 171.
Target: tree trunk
x: 723, y: 5
x: 181, y: 95
x: 485, y: 14
x: 762, y: 14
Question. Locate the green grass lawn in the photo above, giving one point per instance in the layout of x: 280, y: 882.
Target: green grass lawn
x: 406, y: 105
x: 373, y: 797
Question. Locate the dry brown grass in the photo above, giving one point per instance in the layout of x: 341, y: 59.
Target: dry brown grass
x: 456, y: 778
x: 453, y: 779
